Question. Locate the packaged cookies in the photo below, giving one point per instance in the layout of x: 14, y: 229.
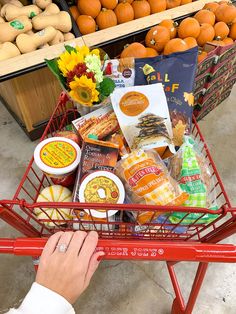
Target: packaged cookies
x: 147, y: 182
x: 177, y: 73
x: 143, y: 116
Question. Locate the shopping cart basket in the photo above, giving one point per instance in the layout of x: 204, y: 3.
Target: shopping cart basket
x: 123, y: 238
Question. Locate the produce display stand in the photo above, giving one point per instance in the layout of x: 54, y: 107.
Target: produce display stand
x: 29, y: 91
x: 123, y: 239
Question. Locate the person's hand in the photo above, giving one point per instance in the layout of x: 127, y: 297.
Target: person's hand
x: 68, y: 273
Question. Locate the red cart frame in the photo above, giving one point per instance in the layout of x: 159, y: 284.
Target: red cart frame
x: 124, y: 238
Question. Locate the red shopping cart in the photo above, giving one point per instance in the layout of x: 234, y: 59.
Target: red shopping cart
x: 124, y: 238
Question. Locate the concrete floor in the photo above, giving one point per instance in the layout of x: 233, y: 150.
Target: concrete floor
x: 125, y: 287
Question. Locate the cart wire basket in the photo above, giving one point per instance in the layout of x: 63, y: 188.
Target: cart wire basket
x: 123, y: 237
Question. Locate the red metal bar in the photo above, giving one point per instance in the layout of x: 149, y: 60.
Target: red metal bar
x: 17, y: 222
x: 179, y: 297
x: 141, y: 250
x: 201, y: 272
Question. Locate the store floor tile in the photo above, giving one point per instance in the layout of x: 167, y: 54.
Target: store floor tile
x: 125, y: 287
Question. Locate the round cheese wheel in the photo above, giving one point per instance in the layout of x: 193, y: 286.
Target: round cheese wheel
x: 54, y: 193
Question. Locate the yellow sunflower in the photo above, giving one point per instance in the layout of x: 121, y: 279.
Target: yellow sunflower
x: 68, y: 61
x: 83, y: 90
x: 96, y: 52
x: 84, y: 50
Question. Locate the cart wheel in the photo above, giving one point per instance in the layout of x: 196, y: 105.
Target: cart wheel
x: 176, y: 308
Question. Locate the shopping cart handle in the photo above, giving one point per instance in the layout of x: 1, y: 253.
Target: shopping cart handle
x: 133, y: 249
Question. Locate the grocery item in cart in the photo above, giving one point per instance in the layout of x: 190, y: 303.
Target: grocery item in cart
x: 177, y: 73
x: 118, y: 138
x: 88, y: 223
x: 101, y: 187
x: 96, y: 155
x: 147, y: 182
x: 57, y: 157
x: 190, y: 169
x: 54, y: 193
x: 121, y: 71
x: 101, y: 122
x: 68, y: 134
x: 143, y: 116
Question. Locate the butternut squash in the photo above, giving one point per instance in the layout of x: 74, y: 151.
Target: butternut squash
x: 27, y: 43
x: 10, y: 30
x: 42, y: 4
x: 50, y: 10
x: 8, y: 50
x: 61, y: 21
x: 59, y: 38
x: 69, y: 36
x: 13, y: 12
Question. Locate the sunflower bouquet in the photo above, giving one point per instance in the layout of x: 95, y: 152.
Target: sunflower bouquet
x: 80, y: 72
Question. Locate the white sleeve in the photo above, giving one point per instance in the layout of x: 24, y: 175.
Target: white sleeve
x: 41, y: 300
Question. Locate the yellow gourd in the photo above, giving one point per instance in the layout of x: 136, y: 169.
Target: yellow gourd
x: 61, y: 21
x: 27, y: 43
x: 10, y: 30
x: 13, y: 12
x: 8, y: 50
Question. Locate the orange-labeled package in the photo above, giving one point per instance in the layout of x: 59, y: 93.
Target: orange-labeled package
x: 147, y: 181
x: 88, y: 223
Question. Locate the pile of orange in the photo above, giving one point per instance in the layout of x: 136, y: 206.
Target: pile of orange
x: 215, y: 23
x: 91, y: 15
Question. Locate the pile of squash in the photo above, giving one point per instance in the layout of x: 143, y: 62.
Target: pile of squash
x: 91, y: 15
x: 215, y: 23
x: 24, y: 29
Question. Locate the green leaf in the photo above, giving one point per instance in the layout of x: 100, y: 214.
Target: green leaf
x: 107, y: 86
x: 53, y: 66
x: 70, y: 49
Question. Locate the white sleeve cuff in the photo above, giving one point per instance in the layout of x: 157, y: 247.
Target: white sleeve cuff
x: 41, y: 300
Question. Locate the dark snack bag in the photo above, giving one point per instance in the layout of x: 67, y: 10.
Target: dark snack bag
x: 177, y: 74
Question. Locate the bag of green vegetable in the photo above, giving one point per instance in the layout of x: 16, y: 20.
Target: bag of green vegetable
x: 189, y: 167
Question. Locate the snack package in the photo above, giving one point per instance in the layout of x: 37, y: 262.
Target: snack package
x: 143, y: 116
x: 190, y: 169
x: 96, y: 155
x: 118, y: 138
x: 101, y: 122
x: 177, y: 73
x: 121, y: 71
x: 147, y: 182
x: 88, y: 223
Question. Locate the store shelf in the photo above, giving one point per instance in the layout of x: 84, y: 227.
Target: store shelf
x: 32, y: 61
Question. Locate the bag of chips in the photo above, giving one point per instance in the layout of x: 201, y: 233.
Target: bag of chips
x: 177, y: 74
x: 147, y: 181
x: 191, y: 170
